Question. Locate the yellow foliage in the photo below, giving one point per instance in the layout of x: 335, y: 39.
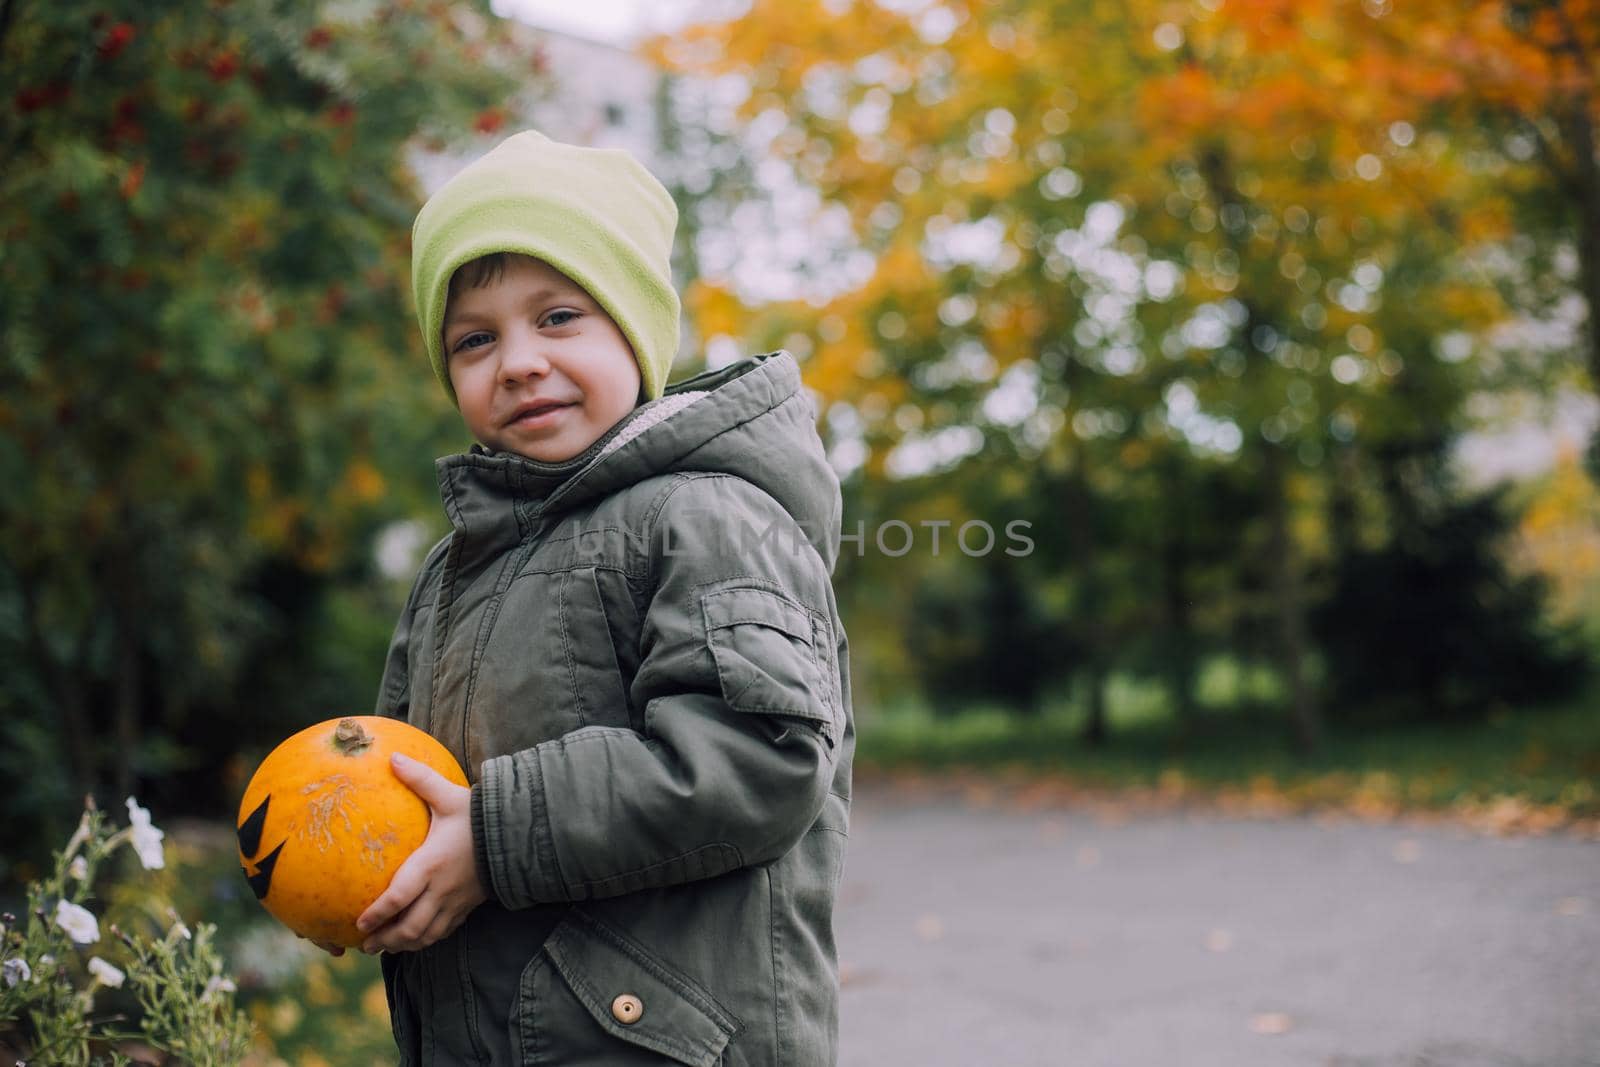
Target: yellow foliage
x: 715, y: 310
x: 363, y: 483
x: 258, y: 482
x: 1559, y: 536
x: 375, y: 1002
x: 1290, y: 109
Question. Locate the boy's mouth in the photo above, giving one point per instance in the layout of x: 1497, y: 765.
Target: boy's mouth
x: 536, y: 411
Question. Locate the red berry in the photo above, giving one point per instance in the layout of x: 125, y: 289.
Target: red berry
x: 115, y: 40
x: 319, y: 37
x: 133, y: 180
x: 223, y: 66
x: 489, y: 120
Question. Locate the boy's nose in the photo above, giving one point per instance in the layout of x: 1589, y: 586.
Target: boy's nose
x: 523, y: 355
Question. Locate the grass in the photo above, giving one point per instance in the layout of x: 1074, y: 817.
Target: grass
x: 1547, y: 757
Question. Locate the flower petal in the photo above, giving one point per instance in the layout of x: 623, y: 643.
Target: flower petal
x: 79, y: 923
x: 108, y: 975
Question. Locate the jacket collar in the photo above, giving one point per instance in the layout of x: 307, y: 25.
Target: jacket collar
x: 493, y: 497
x: 754, y: 430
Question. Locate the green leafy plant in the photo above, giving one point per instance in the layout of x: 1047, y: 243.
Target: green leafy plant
x: 63, y: 1002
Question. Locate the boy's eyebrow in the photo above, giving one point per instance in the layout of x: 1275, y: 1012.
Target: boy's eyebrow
x: 452, y: 317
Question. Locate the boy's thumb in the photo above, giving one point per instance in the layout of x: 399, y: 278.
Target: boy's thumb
x: 415, y: 773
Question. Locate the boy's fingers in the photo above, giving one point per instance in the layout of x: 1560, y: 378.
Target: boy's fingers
x: 426, y: 782
x: 401, y: 892
x: 402, y: 934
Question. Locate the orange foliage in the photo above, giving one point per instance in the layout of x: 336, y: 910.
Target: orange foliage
x: 1340, y: 131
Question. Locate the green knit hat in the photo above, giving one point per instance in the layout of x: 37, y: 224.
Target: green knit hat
x: 594, y: 214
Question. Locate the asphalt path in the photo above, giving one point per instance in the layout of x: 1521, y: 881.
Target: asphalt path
x: 979, y: 936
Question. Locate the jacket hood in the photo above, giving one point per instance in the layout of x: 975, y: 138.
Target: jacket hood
x: 751, y: 419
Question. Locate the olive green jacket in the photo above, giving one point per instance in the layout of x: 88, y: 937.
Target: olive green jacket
x: 637, y: 657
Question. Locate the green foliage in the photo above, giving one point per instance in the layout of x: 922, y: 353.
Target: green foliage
x: 211, y: 393
x: 52, y: 998
x: 1432, y: 625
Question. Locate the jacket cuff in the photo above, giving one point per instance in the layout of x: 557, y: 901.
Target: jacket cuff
x: 518, y: 847
x: 480, y: 845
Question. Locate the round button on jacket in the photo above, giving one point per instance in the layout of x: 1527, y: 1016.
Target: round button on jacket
x: 627, y: 1008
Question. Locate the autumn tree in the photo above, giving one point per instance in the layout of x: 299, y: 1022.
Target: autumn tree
x: 1118, y: 246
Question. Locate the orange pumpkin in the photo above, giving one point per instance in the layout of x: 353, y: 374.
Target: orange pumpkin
x: 324, y: 822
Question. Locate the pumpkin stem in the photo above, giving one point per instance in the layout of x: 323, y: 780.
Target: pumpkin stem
x: 351, y: 738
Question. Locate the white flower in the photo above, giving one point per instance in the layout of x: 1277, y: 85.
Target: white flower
x: 79, y: 868
x: 146, y: 838
x: 218, y: 984
x: 108, y: 975
x: 179, y: 930
x: 79, y: 923
x: 15, y: 970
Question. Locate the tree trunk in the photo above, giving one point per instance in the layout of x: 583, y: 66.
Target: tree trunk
x: 1289, y: 607
x: 1089, y: 613
x: 1586, y: 177
x: 1175, y: 593
x: 1343, y: 514
x: 1288, y: 594
x: 1578, y: 127
x: 1095, y: 732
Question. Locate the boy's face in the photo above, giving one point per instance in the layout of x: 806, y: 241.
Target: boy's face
x: 530, y: 338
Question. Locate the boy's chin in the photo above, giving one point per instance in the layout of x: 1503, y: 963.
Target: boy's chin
x: 549, y: 451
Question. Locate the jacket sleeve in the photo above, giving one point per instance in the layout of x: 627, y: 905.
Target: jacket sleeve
x: 394, y: 689
x: 742, y: 719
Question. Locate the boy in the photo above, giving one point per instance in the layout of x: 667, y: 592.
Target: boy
x: 630, y: 642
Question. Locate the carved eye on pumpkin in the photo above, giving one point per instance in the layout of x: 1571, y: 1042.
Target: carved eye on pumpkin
x: 330, y: 791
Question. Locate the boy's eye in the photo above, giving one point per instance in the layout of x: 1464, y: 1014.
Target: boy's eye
x: 560, y: 318
x: 464, y: 342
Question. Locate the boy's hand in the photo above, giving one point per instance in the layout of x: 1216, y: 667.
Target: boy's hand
x: 437, y: 886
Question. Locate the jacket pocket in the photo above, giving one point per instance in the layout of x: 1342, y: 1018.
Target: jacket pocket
x: 593, y: 997
x: 766, y: 658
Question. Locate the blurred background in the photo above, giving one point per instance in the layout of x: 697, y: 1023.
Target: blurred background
x: 1213, y: 382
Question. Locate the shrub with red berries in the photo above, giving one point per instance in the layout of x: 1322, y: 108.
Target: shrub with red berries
x: 222, y: 192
